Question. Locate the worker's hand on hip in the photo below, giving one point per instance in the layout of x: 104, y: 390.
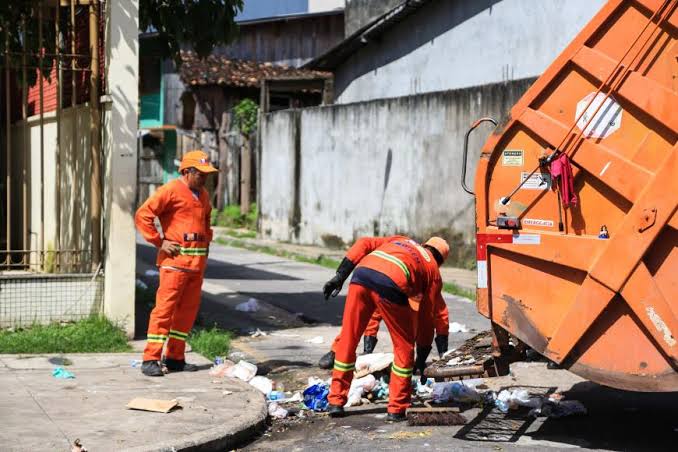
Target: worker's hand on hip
x: 333, y: 287
x: 171, y: 248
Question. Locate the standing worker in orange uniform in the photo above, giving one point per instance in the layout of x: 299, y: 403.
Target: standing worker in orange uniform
x: 183, y: 208
x: 401, y: 279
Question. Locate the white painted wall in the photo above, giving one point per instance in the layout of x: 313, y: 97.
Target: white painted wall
x: 452, y: 44
x: 319, y: 6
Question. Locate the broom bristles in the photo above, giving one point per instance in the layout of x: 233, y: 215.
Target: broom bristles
x: 435, y: 418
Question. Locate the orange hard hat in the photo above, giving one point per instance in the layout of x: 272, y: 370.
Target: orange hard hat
x: 198, y: 160
x: 440, y: 245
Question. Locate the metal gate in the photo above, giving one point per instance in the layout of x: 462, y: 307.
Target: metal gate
x: 51, y: 158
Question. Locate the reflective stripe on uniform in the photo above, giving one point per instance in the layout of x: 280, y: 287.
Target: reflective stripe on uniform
x: 344, y: 367
x: 156, y: 338
x: 402, y: 371
x: 174, y: 334
x: 393, y: 260
x: 193, y: 251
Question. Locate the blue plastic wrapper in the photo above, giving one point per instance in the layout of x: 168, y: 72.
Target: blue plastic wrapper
x: 60, y: 372
x: 315, y: 397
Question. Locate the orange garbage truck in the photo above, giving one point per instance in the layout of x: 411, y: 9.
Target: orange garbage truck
x: 576, y: 195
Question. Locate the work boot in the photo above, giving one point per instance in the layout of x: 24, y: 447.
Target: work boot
x: 441, y: 344
x: 335, y: 410
x: 179, y: 365
x: 151, y: 369
x: 396, y: 417
x: 369, y: 344
x: 327, y: 360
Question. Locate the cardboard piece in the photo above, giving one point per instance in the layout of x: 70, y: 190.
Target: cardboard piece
x: 158, y: 406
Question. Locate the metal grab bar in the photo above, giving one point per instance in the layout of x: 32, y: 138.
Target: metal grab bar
x: 463, y: 167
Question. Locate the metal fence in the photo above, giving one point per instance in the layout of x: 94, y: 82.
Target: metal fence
x: 51, y: 67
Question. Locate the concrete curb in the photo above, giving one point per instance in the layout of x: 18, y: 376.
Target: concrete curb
x: 219, y: 438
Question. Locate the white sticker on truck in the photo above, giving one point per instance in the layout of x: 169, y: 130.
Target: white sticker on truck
x: 482, y: 274
x: 526, y: 239
x: 513, y: 157
x: 600, y: 117
x: 537, y: 181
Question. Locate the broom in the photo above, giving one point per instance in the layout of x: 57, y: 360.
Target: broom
x: 434, y: 416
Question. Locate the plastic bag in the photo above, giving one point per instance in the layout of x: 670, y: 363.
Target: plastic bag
x: 360, y: 386
x: 243, y: 370
x: 251, y: 305
x: 315, y: 397
x: 220, y: 370
x: 510, y: 400
x: 373, y: 362
x: 263, y: 384
x: 276, y: 411
x: 456, y: 391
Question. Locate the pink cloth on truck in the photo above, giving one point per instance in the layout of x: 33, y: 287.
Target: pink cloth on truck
x: 560, y: 167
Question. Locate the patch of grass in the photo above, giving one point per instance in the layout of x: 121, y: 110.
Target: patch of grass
x: 210, y: 343
x: 230, y: 217
x: 320, y: 260
x: 240, y: 233
x: 454, y: 289
x: 95, y: 334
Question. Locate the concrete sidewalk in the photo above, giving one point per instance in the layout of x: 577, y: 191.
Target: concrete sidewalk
x: 466, y: 279
x: 39, y: 412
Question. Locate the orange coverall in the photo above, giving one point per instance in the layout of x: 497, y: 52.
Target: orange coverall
x: 185, y: 219
x: 414, y: 271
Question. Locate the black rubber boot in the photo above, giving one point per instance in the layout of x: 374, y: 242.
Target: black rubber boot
x: 369, y: 344
x: 335, y: 410
x: 396, y: 417
x: 151, y: 369
x: 179, y: 365
x: 441, y: 344
x: 327, y: 360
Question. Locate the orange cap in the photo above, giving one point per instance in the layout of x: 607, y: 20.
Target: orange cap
x: 198, y: 160
x: 440, y: 245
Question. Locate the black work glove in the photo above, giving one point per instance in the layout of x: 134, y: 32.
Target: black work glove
x: 333, y: 286
x: 420, y: 362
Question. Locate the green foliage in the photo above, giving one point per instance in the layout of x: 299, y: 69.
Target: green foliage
x: 20, y: 19
x: 230, y: 217
x: 202, y: 24
x: 246, y: 112
x: 454, y: 289
x: 92, y: 335
x: 210, y: 343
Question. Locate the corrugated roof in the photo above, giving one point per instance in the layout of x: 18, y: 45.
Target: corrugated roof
x: 219, y: 70
x: 342, y: 51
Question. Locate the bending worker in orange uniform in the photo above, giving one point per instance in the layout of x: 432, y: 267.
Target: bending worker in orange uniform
x: 441, y: 321
x: 183, y: 208
x: 401, y: 279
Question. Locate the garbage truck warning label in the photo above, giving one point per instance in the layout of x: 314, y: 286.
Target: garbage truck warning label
x: 537, y: 181
x: 599, y: 115
x: 537, y: 222
x: 513, y: 157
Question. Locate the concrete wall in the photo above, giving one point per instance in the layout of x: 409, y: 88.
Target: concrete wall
x: 450, y: 44
x: 377, y: 168
x: 359, y: 13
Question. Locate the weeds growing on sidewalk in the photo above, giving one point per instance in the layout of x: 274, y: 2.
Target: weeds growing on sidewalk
x: 230, y: 217
x: 210, y: 343
x: 327, y: 262
x: 92, y: 335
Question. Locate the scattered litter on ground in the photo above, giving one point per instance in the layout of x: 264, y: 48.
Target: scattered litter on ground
x: 152, y: 272
x: 141, y: 285
x: 276, y: 395
x: 458, y: 328
x: 258, y: 333
x: 461, y: 360
x: 510, y: 400
x: 263, y: 384
x: 423, y: 390
x: 221, y: 369
x: 316, y: 340
x: 276, y: 411
x: 226, y: 392
x: 360, y: 386
x: 60, y: 372
x: 243, y: 370
x: 371, y: 363
x: 234, y: 356
x: 77, y: 446
x: 135, y: 363
x: 315, y: 397
x: 251, y: 305
x: 410, y: 435
x: 448, y: 353
x: 457, y: 391
x: 158, y: 406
